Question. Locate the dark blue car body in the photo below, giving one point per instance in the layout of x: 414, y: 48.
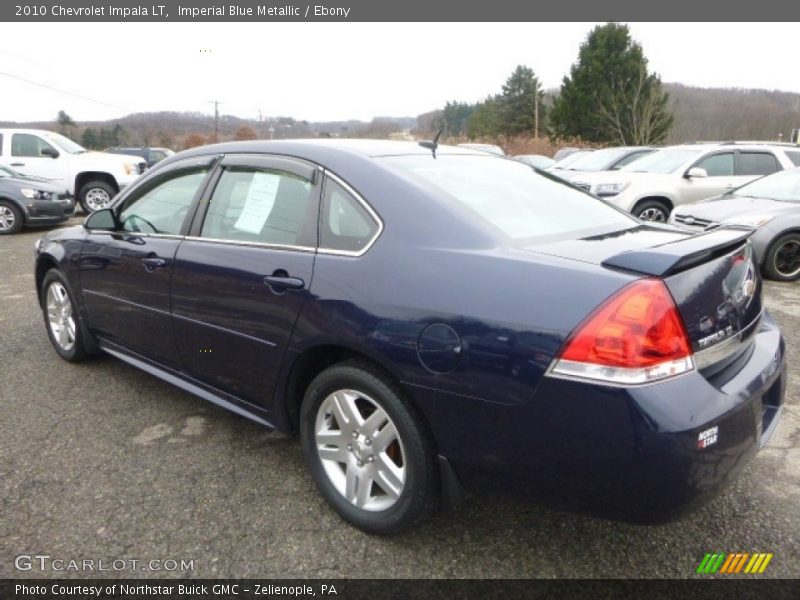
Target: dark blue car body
x: 466, y: 325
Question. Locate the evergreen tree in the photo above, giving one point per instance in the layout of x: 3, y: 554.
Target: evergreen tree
x: 89, y: 139
x: 519, y: 102
x: 609, y: 96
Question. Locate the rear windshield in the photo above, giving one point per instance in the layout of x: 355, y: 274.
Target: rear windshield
x: 783, y: 186
x: 512, y: 197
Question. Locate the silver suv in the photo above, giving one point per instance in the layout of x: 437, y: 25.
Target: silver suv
x: 653, y: 185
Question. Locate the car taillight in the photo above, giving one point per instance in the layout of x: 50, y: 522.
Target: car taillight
x: 637, y: 336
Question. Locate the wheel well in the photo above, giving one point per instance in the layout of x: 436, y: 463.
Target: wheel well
x: 661, y: 199
x: 88, y: 176
x: 310, y: 364
x: 43, y: 265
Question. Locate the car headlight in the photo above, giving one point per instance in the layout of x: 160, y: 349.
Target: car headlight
x: 749, y: 221
x: 131, y: 168
x: 32, y: 194
x: 611, y: 189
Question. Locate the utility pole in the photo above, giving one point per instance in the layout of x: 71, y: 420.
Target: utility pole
x: 260, y: 129
x: 536, y: 113
x: 216, y: 104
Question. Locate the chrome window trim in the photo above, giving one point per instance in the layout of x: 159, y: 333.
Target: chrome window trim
x: 195, y: 238
x: 125, y: 232
x: 360, y: 199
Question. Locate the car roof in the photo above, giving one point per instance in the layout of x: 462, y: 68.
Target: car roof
x: 361, y: 147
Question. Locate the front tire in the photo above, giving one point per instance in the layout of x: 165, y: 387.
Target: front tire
x: 11, y: 219
x: 95, y: 195
x: 782, y: 262
x: 367, y: 450
x: 61, y: 317
x: 652, y: 210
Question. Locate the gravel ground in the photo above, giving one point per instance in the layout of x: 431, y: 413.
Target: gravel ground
x: 102, y: 461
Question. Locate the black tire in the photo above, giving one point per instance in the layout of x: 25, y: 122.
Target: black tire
x: 78, y: 351
x: 96, y: 186
x: 648, y: 209
x: 15, y: 213
x: 776, y: 268
x: 419, y: 494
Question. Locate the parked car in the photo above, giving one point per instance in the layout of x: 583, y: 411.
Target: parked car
x: 490, y: 148
x: 539, y: 161
x: 605, y: 159
x: 771, y: 204
x: 565, y: 152
x: 93, y: 177
x: 31, y: 201
x: 564, y: 163
x: 652, y: 186
x: 150, y: 155
x: 522, y: 331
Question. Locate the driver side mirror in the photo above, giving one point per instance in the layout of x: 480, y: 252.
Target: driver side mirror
x: 102, y: 220
x: 696, y: 172
x: 51, y: 152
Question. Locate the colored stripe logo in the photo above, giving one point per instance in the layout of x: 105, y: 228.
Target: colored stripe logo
x: 735, y: 562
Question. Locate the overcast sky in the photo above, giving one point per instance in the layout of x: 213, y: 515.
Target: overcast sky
x: 336, y: 71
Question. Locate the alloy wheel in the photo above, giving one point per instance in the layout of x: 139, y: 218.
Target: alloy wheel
x: 652, y: 214
x: 60, y: 317
x: 360, y: 450
x: 787, y: 259
x: 7, y: 218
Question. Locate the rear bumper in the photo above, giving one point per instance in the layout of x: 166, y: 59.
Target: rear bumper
x: 644, y: 454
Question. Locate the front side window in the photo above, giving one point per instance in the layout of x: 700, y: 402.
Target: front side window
x: 25, y: 144
x: 258, y: 205
x: 345, y: 225
x: 718, y: 165
x: 163, y: 206
x: 757, y: 163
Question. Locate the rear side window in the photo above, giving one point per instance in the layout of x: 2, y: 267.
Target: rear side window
x: 345, y: 225
x: 718, y: 165
x: 258, y: 205
x: 757, y: 163
x: 25, y: 144
x: 793, y: 156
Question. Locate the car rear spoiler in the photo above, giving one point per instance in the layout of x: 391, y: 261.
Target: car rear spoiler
x: 673, y: 257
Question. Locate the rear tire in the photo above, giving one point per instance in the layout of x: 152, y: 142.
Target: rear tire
x: 368, y: 451
x: 95, y: 195
x: 11, y: 218
x: 652, y: 210
x: 782, y: 262
x: 61, y: 317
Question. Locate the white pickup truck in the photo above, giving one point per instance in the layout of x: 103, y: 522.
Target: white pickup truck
x: 93, y: 177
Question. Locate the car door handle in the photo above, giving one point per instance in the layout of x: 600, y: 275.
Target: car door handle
x: 278, y: 281
x: 17, y: 164
x: 151, y: 263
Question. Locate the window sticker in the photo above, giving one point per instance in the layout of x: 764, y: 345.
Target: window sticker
x: 259, y: 202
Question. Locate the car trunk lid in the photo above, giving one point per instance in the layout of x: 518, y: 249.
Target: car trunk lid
x: 712, y: 278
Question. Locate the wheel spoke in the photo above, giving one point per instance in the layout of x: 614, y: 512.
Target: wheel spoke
x: 345, y: 409
x: 351, y: 484
x: 374, y: 422
x: 364, y: 489
x: 384, y: 437
x: 71, y: 329
x: 390, y: 477
x: 337, y: 454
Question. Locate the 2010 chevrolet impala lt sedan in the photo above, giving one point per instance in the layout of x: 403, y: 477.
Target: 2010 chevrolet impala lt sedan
x: 427, y: 317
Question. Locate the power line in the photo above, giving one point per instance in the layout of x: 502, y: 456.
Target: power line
x: 55, y: 89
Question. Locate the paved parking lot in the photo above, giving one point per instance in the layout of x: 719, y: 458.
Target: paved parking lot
x: 101, y: 461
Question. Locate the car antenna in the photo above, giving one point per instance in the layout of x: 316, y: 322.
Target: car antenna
x: 432, y: 145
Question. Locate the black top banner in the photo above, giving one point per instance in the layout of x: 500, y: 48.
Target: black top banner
x: 405, y: 10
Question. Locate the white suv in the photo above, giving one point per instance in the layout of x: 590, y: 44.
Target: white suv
x: 653, y: 185
x: 94, y: 177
